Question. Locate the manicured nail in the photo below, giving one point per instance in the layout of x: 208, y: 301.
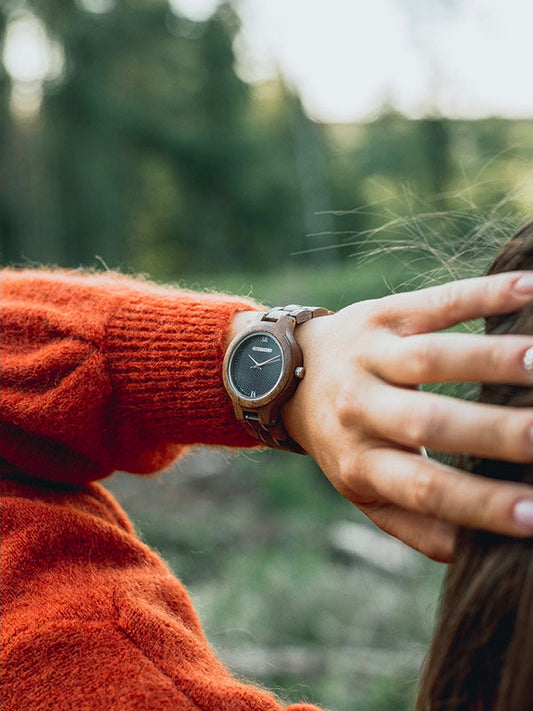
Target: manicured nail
x: 523, y: 514
x: 528, y: 360
x: 524, y: 285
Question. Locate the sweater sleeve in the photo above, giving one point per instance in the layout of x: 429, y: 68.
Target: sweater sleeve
x: 94, y: 667
x: 102, y: 372
x: 94, y: 620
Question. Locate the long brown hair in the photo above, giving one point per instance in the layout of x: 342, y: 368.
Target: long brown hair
x: 481, y: 657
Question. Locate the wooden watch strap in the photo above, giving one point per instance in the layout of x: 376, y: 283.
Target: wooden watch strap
x: 272, y: 435
x: 275, y: 435
x: 300, y: 314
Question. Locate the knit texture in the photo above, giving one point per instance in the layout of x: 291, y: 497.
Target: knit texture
x: 98, y: 373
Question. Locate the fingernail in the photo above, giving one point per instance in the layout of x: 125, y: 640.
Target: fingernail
x: 528, y: 360
x: 524, y: 285
x: 523, y: 514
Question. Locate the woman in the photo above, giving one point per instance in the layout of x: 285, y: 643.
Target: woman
x: 481, y: 658
x: 100, y: 372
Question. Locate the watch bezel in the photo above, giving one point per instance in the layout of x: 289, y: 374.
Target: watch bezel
x: 282, y: 331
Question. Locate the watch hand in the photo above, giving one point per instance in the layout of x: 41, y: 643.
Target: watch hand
x: 256, y: 363
x: 270, y: 360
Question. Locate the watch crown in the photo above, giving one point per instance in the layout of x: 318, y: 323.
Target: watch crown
x: 299, y: 372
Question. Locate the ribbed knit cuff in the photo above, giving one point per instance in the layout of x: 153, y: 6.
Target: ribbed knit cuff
x: 165, y: 353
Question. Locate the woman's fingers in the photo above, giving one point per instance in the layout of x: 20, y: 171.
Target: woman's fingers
x: 418, y: 419
x: 440, y: 307
x: 435, y: 539
x: 426, y: 487
x: 452, y: 357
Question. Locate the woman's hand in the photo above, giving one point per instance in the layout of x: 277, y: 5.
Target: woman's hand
x: 359, y: 413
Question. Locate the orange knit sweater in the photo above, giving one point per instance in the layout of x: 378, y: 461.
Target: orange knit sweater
x: 98, y: 373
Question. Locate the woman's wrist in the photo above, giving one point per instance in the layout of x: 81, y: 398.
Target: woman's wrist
x: 240, y: 321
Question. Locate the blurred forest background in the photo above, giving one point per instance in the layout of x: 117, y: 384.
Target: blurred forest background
x: 129, y: 140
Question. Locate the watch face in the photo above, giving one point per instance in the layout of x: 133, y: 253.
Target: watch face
x: 256, y: 365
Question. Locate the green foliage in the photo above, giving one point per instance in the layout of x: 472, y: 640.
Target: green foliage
x: 149, y: 150
x: 153, y: 155
x: 407, y: 169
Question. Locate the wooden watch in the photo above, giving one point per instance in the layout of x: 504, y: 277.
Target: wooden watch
x: 262, y: 368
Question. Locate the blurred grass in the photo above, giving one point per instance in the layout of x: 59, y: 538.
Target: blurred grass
x: 332, y: 284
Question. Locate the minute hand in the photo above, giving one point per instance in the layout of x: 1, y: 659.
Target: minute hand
x: 270, y: 360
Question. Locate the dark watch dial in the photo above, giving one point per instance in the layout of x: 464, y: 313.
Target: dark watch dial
x: 256, y: 365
